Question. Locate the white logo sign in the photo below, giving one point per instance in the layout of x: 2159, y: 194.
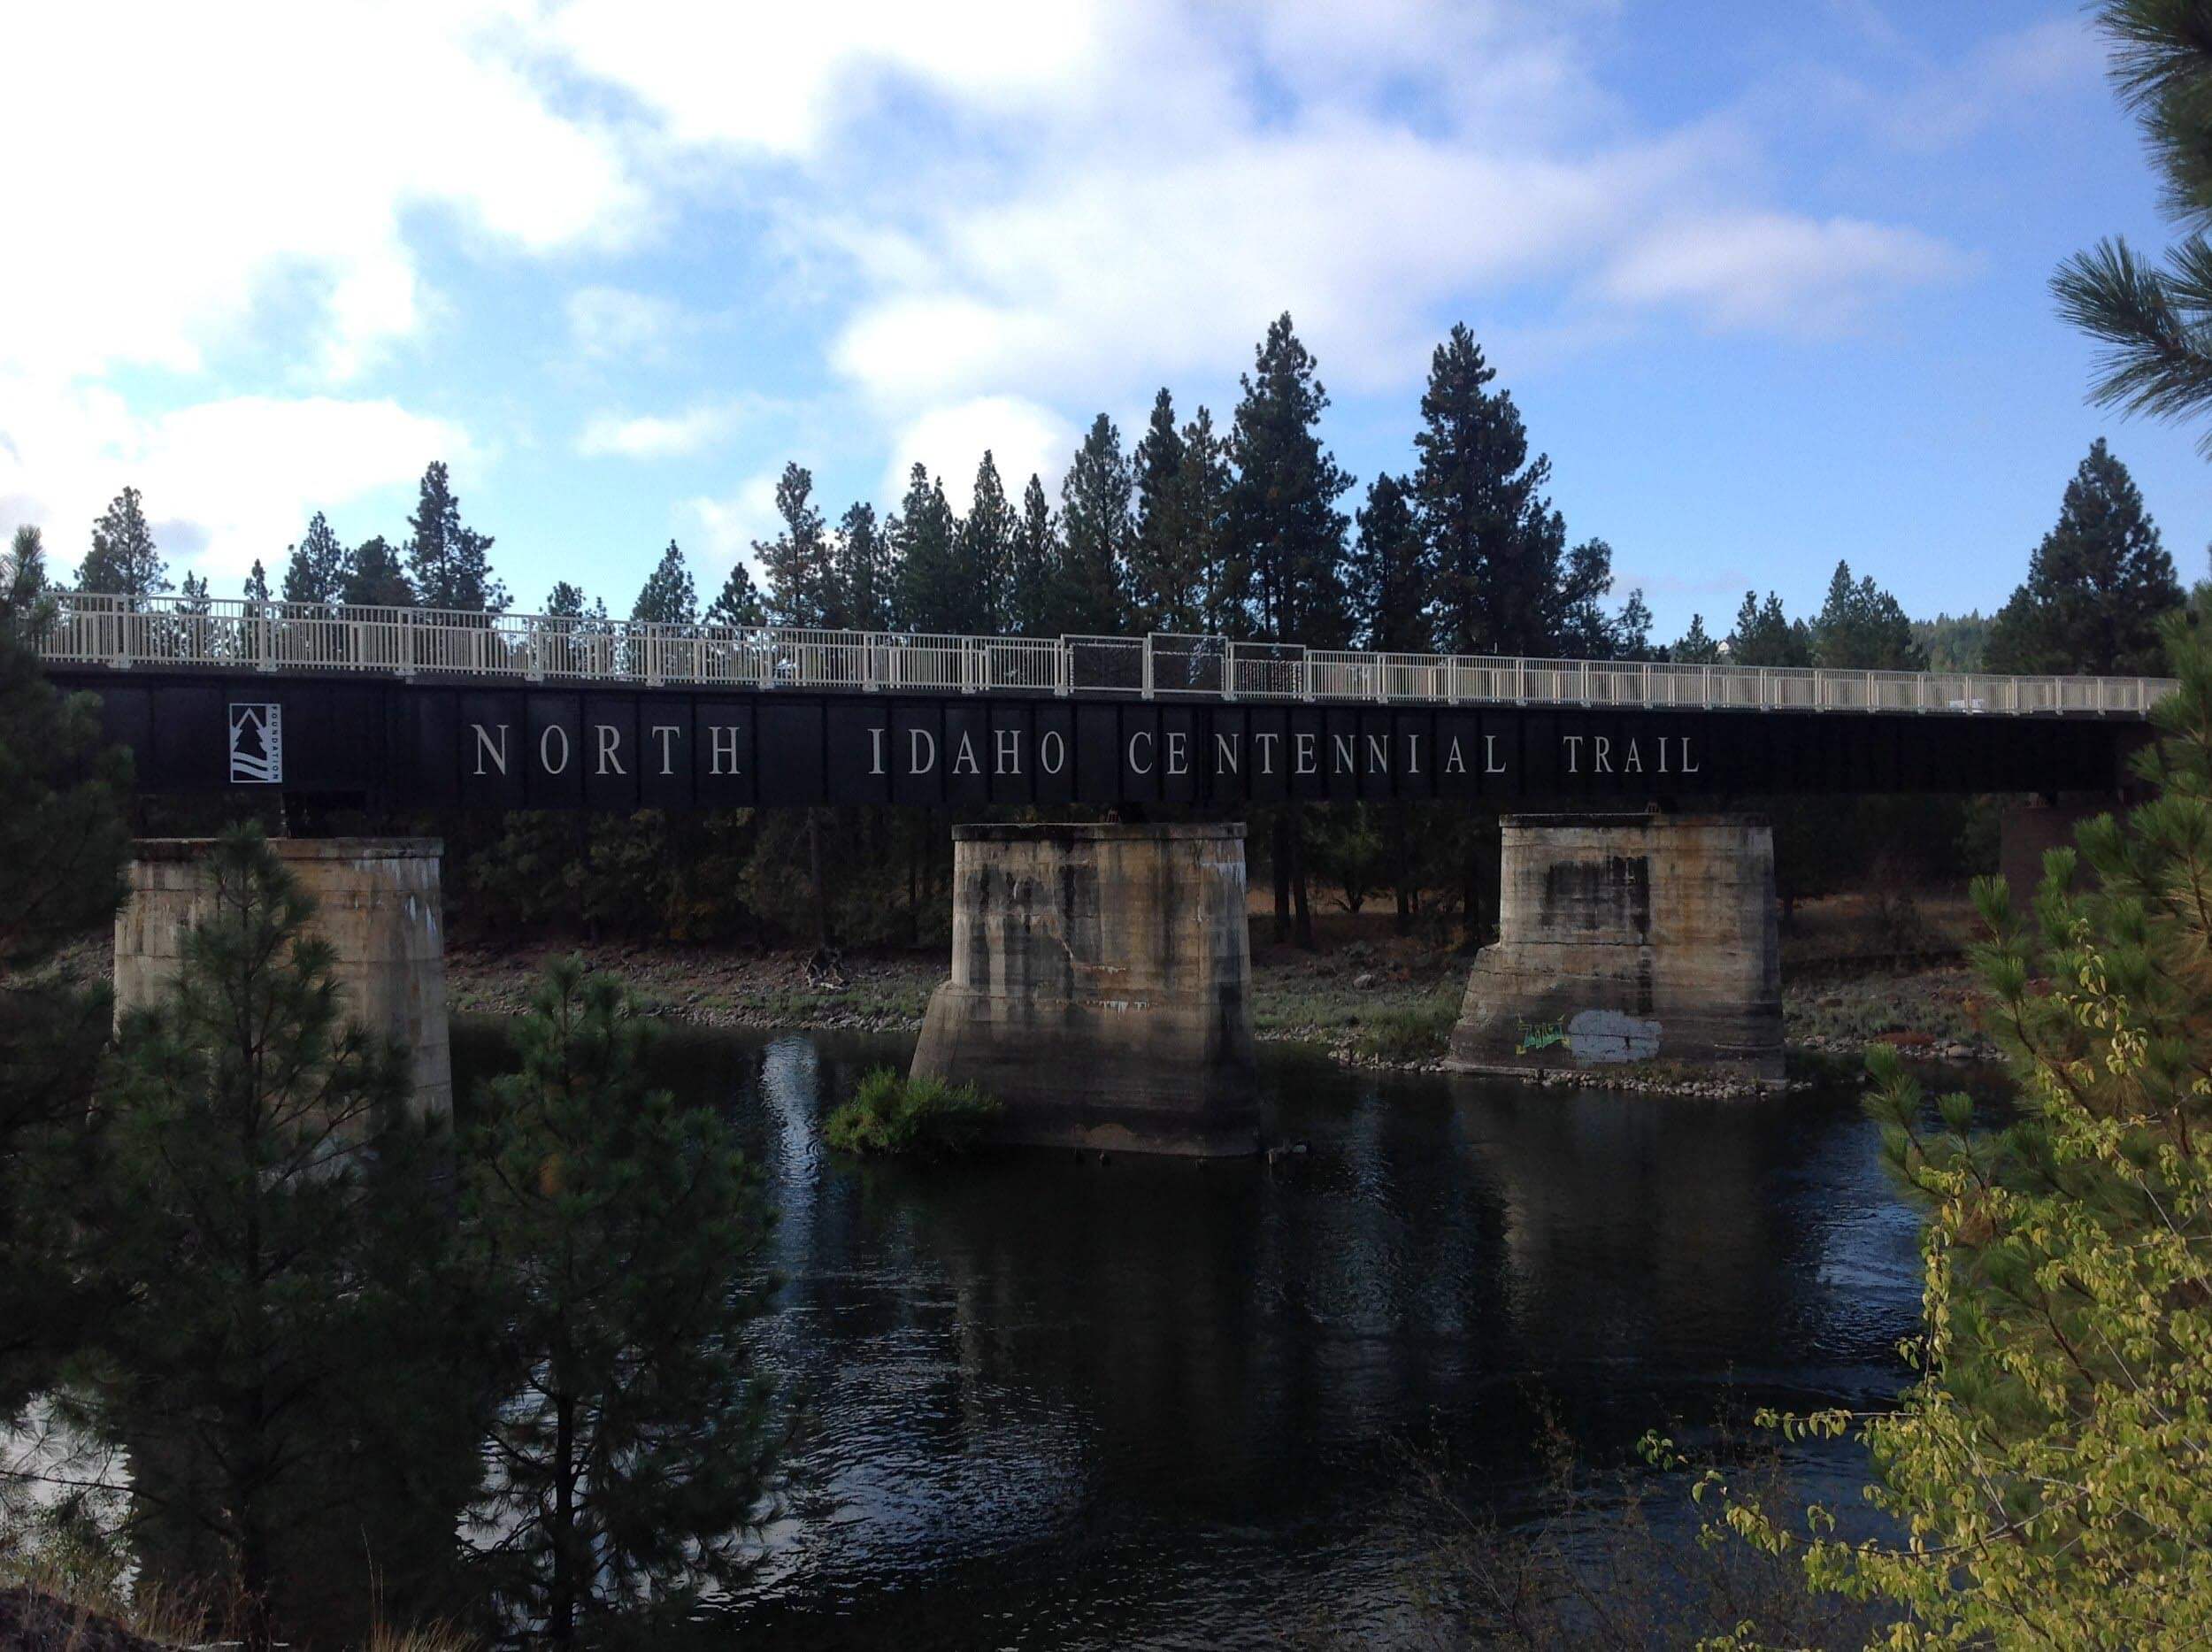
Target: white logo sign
x: 256, y: 745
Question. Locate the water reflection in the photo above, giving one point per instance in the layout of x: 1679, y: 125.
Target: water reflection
x: 1054, y: 1400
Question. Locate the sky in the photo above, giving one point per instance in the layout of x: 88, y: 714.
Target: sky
x: 1768, y: 283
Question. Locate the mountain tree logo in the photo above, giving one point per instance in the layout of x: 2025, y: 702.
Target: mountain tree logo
x: 256, y: 745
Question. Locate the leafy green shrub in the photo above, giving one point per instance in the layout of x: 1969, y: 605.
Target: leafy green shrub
x: 1420, y: 1032
x: 923, y: 1117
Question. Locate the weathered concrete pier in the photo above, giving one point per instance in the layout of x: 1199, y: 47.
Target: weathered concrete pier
x: 1628, y: 939
x: 1102, y: 986
x: 378, y: 904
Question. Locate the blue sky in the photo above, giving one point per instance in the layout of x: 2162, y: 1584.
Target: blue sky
x: 1768, y: 282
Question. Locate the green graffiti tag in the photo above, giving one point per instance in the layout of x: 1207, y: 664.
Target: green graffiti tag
x: 1543, y: 1035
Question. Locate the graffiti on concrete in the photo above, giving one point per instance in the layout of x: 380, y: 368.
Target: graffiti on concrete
x: 1609, y: 1035
x: 1541, y: 1035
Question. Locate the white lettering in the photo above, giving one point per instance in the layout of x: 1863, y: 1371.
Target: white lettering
x: 610, y: 749
x: 1413, y: 754
x: 1602, y: 753
x: 545, y: 755
x: 1303, y: 743
x: 1634, y: 762
x: 667, y: 732
x: 722, y: 748
x: 965, y: 754
x: 1006, y: 754
x: 919, y: 740
x: 1490, y: 764
x: 1136, y: 767
x: 1573, y: 742
x: 1377, y: 754
x: 1346, y: 754
x: 1266, y: 744
x: 1052, y: 751
x: 1454, y: 763
x: 1226, y: 754
x: 1688, y: 767
x: 1178, y: 752
x: 875, y: 749
x: 485, y: 748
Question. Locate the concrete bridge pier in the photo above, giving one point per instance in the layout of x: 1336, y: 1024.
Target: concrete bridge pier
x: 1627, y: 938
x: 377, y: 904
x: 1101, y: 986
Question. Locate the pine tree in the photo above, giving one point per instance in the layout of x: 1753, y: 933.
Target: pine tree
x: 1498, y: 545
x: 1764, y: 636
x: 796, y: 563
x: 23, y: 570
x: 1862, y: 628
x: 2047, y: 1471
x: 63, y: 840
x: 564, y: 601
x: 1033, y: 578
x: 1695, y: 647
x: 266, y: 1240
x: 635, y: 1454
x: 1205, y: 483
x: 986, y: 552
x: 448, y: 563
x: 316, y: 570
x: 1165, y: 586
x: 1631, y: 628
x: 738, y: 605
x: 373, y: 578
x: 1583, y: 630
x: 192, y: 596
x: 123, y: 561
x: 669, y: 598
x: 1285, y: 533
x: 257, y: 585
x: 2097, y: 586
x: 1389, y: 572
x: 1089, y: 598
x: 932, y: 593
x: 862, y: 571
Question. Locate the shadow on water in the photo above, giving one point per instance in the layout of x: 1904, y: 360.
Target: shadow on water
x: 1059, y: 1402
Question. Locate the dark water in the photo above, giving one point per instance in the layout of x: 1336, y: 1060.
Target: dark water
x: 1057, y: 1403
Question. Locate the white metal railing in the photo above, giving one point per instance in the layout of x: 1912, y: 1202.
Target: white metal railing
x: 123, y: 632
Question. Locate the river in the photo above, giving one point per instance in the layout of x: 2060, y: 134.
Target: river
x: 1057, y: 1400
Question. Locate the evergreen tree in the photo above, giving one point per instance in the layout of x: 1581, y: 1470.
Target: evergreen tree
x: 1499, y: 547
x: 796, y: 563
x: 264, y: 1200
x: 192, y: 596
x: 373, y: 578
x: 564, y: 601
x: 1033, y: 578
x: 1089, y: 598
x: 316, y: 570
x: 23, y: 570
x: 738, y: 605
x: 1955, y: 641
x: 63, y: 840
x: 1286, y: 534
x: 862, y: 571
x: 2097, y: 586
x: 986, y: 550
x: 1205, y: 484
x: 669, y: 598
x: 932, y: 591
x: 1764, y: 636
x: 2046, y: 1473
x: 2155, y: 323
x: 448, y: 564
x: 1583, y: 630
x: 257, y: 585
x: 634, y: 1456
x: 123, y: 560
x: 1862, y: 628
x: 1695, y: 647
x: 1166, y: 587
x: 1389, y: 572
x: 1632, y: 629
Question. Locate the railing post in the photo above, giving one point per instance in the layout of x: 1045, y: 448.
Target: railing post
x: 407, y: 645
x: 1585, y: 682
x: 1147, y: 682
x: 1706, y: 671
x: 1869, y: 691
x: 1520, y: 680
x: 1646, y: 685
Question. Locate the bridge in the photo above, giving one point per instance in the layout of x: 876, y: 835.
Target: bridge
x: 1100, y: 973
x: 416, y: 708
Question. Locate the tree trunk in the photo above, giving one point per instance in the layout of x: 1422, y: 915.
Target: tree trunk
x: 560, y: 1601
x: 1279, y: 863
x: 1301, y: 896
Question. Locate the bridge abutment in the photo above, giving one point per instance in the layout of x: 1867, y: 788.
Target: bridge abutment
x: 1101, y: 986
x: 377, y: 903
x: 1627, y: 938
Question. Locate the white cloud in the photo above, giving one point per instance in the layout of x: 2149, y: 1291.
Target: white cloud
x: 1753, y: 270
x: 614, y: 324
x: 1023, y: 437
x: 656, y: 436
x: 225, y: 481
x: 177, y: 171
x: 729, y: 524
